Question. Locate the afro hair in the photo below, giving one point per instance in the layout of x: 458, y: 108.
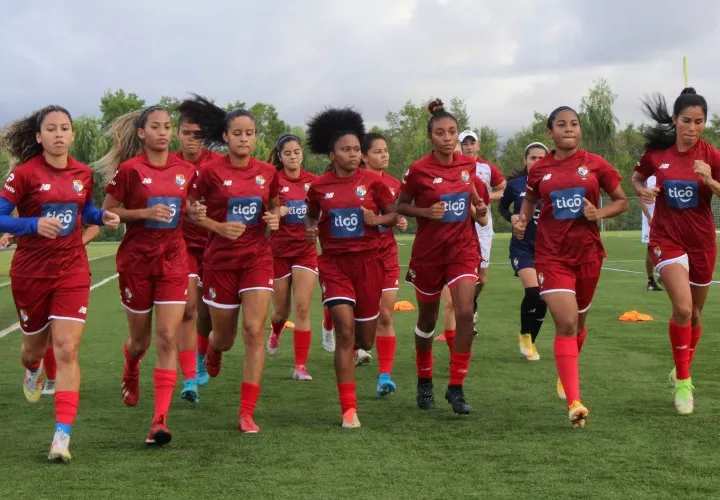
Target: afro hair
x: 327, y: 127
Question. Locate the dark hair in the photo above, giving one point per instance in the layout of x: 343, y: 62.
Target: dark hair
x: 369, y: 140
x: 19, y: 138
x: 274, y: 158
x: 662, y: 134
x: 437, y: 110
x: 557, y: 111
x: 521, y: 172
x: 185, y: 119
x: 213, y: 120
x: 327, y: 127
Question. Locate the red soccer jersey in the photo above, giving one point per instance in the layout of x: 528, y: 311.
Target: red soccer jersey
x: 237, y: 194
x: 289, y: 240
x: 150, y: 247
x: 488, y: 172
x: 338, y: 200
x: 427, y: 182
x: 39, y: 190
x: 563, y: 234
x: 682, y: 210
x: 388, y: 244
x: 195, y: 236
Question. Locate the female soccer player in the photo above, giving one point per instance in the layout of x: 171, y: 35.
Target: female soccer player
x: 295, y: 259
x: 444, y: 189
x: 647, y: 214
x: 241, y: 194
x: 376, y: 158
x: 148, y: 191
x: 682, y: 235
x: 344, y: 207
x: 568, y: 248
x: 50, y: 274
x: 196, y: 325
x: 522, y: 253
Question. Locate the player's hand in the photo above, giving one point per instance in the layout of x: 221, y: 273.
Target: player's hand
x: 284, y: 211
x: 6, y: 240
x: 519, y: 227
x: 514, y: 219
x: 437, y: 211
x: 272, y: 220
x: 481, y: 209
x: 111, y: 220
x: 591, y: 212
x: 311, y: 234
x: 197, y: 212
x: 49, y: 227
x: 231, y: 230
x: 369, y: 217
x: 648, y: 195
x: 703, y: 171
x: 159, y: 213
x: 402, y: 223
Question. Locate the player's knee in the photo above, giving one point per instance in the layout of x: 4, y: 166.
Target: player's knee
x: 385, y: 319
x: 566, y: 326
x: 302, y: 311
x: 66, y: 352
x: 253, y: 335
x: 190, y: 313
x: 532, y: 293
x: 221, y: 343
x: 683, y: 313
x: 139, y: 346
x: 165, y: 339
x: 695, y: 318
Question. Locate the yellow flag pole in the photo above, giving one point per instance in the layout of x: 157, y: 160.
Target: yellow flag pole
x: 685, y: 70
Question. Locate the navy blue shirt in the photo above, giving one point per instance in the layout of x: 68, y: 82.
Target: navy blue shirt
x: 515, y: 195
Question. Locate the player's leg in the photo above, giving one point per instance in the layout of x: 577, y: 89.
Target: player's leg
x: 532, y: 312
x: 220, y: 293
x: 204, y: 327
x: 448, y: 313
x: 33, y: 299
x: 50, y: 368
x: 462, y: 291
x: 652, y: 285
x: 281, y: 309
x: 32, y: 351
x: 187, y: 344
x: 341, y: 312
x: 328, y: 331
x: 485, y: 237
x: 303, y: 286
x: 386, y: 342
x: 137, y: 299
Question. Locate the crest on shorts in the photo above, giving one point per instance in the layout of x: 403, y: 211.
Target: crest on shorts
x: 657, y: 252
x: 127, y: 294
x: 541, y: 278
x: 212, y: 294
x: 77, y: 185
x: 516, y: 262
x: 411, y: 273
x: 260, y: 180
x: 360, y: 191
x: 180, y: 180
x: 307, y: 186
x: 582, y: 171
x: 324, y: 288
x: 465, y: 175
x: 24, y: 316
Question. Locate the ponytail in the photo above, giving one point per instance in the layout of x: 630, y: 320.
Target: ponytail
x: 437, y: 109
x: 662, y: 134
x: 126, y: 143
x: 19, y: 139
x: 213, y: 120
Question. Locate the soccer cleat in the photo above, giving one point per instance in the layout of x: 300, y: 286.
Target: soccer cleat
x: 213, y: 362
x: 560, y: 389
x: 536, y: 354
x: 273, y: 344
x: 577, y: 414
x: 673, y: 377
x: 526, y: 346
x: 48, y: 387
x: 456, y: 397
x: 202, y: 376
x: 300, y: 373
x: 350, y: 419
x: 32, y: 385
x: 684, y: 401
x: 385, y: 385
x: 362, y: 357
x: 130, y: 388
x: 60, y: 447
x: 190, y: 391
x: 653, y: 286
x: 425, y: 398
x: 328, y: 339
x: 247, y: 425
x: 159, y: 435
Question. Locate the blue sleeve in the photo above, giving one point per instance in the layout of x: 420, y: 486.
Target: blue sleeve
x: 91, y: 215
x: 505, y: 202
x: 19, y: 226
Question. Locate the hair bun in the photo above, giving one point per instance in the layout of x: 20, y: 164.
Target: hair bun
x: 688, y: 90
x: 436, y: 106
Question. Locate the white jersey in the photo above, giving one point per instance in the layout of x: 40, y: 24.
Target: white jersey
x: 484, y: 172
x: 651, y: 182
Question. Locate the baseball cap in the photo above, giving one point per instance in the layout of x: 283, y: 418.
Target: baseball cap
x: 467, y: 133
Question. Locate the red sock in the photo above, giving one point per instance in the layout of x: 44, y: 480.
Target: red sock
x: 327, y: 319
x: 424, y: 362
x: 131, y: 363
x: 348, y: 398
x: 49, y: 363
x: 32, y: 367
x: 164, y: 381
x: 681, y: 339
x: 277, y: 328
x: 459, y: 364
x: 301, y: 341
x: 66, y: 406
x: 449, y: 338
x: 694, y: 339
x: 566, y: 360
x: 581, y: 339
x: 249, y: 394
x: 386, y: 353
x: 188, y: 364
x: 203, y: 344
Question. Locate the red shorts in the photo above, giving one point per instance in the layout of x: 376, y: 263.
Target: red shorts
x: 429, y: 279
x: 391, y: 281
x: 40, y: 300
x: 283, y: 266
x: 140, y: 292
x: 581, y: 279
x: 700, y: 263
x: 356, y: 278
x: 222, y: 288
x: 195, y: 259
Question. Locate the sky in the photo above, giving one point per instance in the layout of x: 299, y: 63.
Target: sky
x: 505, y: 58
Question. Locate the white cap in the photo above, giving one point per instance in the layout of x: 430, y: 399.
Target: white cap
x: 467, y: 133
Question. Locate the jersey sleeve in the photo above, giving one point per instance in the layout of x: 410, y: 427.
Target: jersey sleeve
x: 383, y: 197
x: 645, y: 166
x: 482, y: 189
x: 508, y: 198
x: 714, y: 162
x: 496, y: 177
x: 198, y: 187
x: 608, y: 177
x: 409, y: 184
x: 311, y: 200
x: 118, y: 187
x: 274, y: 185
x: 533, y: 184
x: 15, y: 187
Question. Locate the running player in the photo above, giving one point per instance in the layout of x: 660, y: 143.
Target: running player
x: 241, y: 193
x: 50, y: 274
x: 522, y: 253
x: 441, y: 191
x: 376, y: 158
x: 682, y: 236
x: 295, y: 259
x: 647, y: 215
x: 196, y: 325
x: 148, y: 191
x: 344, y: 207
x: 568, y: 248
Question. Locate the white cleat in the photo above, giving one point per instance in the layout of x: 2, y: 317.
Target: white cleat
x: 48, y: 388
x: 300, y: 373
x: 350, y: 419
x: 328, y: 339
x: 273, y: 344
x: 673, y: 378
x: 32, y: 385
x: 60, y: 448
x: 363, y: 357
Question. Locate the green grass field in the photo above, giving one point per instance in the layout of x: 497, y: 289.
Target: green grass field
x: 516, y: 444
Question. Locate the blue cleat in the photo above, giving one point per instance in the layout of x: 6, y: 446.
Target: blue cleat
x: 190, y: 391
x: 385, y: 385
x: 202, y: 376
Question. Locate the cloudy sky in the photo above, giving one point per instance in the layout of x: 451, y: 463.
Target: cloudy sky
x: 506, y: 58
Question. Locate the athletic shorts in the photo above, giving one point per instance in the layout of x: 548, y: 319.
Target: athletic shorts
x: 40, y: 300
x: 195, y: 259
x: 429, y: 279
x: 700, y: 263
x: 391, y: 280
x: 485, y: 238
x: 223, y: 288
x: 522, y: 261
x: 283, y: 266
x: 581, y: 279
x: 139, y: 293
x: 354, y: 278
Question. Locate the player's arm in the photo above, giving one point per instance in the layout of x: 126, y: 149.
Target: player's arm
x: 7, y: 240
x: 498, y: 191
x: 312, y: 217
x: 274, y: 213
x: 229, y: 230
x: 527, y: 210
x: 48, y: 227
x: 705, y: 172
x: 158, y: 213
x: 617, y: 206
x: 90, y: 233
x: 498, y: 183
x: 504, y: 206
x: 405, y: 207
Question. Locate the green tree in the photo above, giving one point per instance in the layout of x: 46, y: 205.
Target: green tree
x: 89, y: 145
x: 513, y: 153
x: 598, y: 120
x: 489, y: 143
x: 114, y: 104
